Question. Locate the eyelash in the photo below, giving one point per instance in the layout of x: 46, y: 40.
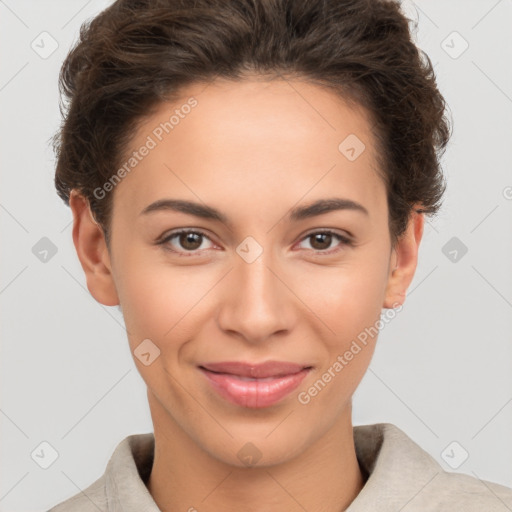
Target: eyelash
x: 343, y: 239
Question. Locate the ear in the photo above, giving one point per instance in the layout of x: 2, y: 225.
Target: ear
x: 92, y: 251
x: 403, y: 261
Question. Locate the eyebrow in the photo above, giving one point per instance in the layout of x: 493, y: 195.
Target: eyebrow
x: 319, y: 207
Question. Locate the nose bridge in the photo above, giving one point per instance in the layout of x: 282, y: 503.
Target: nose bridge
x: 257, y: 303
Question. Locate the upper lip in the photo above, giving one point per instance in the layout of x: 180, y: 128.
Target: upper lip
x: 261, y: 370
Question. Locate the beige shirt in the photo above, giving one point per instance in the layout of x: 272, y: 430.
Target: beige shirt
x: 402, y: 477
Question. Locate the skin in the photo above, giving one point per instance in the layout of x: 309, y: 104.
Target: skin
x: 253, y: 150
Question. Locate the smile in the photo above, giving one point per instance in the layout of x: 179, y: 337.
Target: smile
x: 254, y: 392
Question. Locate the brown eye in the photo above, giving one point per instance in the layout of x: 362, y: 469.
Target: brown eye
x: 190, y: 241
x: 321, y: 241
x: 185, y: 241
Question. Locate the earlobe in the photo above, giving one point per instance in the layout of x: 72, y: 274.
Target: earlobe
x: 92, y: 251
x: 404, y: 262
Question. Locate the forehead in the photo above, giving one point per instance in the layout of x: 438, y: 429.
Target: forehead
x: 231, y: 142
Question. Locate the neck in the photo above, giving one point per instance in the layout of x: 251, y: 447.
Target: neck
x: 325, y: 477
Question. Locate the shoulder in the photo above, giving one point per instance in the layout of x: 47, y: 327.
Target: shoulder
x: 458, y: 491
x: 91, y: 499
x: 403, y: 475
x: 122, y: 484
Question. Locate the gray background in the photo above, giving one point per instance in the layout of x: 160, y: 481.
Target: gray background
x: 442, y: 367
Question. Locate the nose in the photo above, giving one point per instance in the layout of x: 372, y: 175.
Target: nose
x: 257, y: 303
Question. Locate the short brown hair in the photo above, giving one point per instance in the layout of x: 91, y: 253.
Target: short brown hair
x: 137, y: 53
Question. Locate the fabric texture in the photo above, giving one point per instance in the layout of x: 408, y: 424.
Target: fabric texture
x: 401, y: 477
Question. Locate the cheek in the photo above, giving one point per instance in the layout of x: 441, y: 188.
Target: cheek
x: 162, y: 302
x: 351, y: 311
x: 346, y: 299
x: 159, y: 302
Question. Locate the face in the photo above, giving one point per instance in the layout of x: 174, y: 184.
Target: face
x: 266, y: 276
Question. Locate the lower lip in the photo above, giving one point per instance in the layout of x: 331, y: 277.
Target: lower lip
x: 255, y: 394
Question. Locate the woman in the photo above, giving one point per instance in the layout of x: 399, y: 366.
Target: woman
x: 249, y: 182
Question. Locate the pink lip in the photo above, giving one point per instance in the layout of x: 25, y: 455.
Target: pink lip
x: 254, y: 370
x: 254, y: 385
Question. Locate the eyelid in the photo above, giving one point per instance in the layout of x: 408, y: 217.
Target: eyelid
x: 177, y: 231
x: 345, y: 240
x: 168, y: 235
x: 341, y: 233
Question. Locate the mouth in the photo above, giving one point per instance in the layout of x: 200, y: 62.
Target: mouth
x: 255, y: 370
x: 254, y: 385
